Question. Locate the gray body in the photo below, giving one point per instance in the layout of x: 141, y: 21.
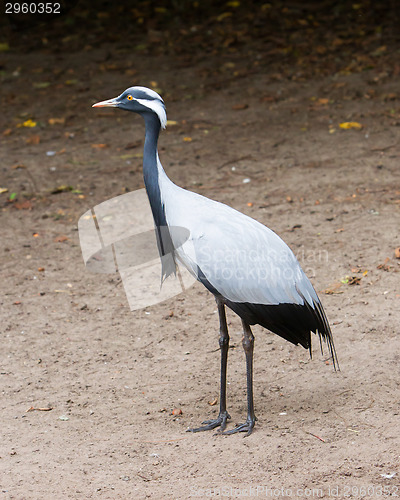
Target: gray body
x: 243, y: 263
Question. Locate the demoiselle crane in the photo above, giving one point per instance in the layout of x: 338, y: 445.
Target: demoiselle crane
x: 244, y: 264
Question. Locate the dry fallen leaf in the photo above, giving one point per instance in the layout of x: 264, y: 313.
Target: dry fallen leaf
x: 56, y: 121
x: 397, y: 253
x: 385, y: 266
x: 23, y: 205
x: 28, y: 123
x: 268, y: 98
x: 349, y: 125
x: 360, y: 271
x: 238, y: 107
x: 41, y: 85
x: 333, y: 289
x: 61, y: 189
x: 99, y: 146
x: 32, y: 408
x: 224, y: 15
x: 134, y: 144
x: 61, y: 238
x: 33, y: 139
x: 354, y: 280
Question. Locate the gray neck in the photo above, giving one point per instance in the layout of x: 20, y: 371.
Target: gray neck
x: 151, y: 174
x: 150, y: 167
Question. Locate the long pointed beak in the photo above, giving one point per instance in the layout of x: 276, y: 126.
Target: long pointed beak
x: 110, y: 103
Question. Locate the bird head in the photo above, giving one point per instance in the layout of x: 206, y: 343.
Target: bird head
x: 139, y: 100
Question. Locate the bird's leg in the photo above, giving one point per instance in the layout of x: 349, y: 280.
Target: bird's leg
x: 248, y: 346
x: 223, y: 416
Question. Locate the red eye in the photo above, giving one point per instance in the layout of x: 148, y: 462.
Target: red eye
x: 129, y: 97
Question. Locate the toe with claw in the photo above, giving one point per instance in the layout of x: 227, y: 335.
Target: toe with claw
x: 246, y: 427
x: 220, y: 422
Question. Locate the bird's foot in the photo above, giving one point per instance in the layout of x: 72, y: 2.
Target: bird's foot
x: 212, y: 424
x: 246, y: 427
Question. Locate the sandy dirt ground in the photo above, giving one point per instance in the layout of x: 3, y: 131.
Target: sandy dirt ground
x: 120, y: 387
